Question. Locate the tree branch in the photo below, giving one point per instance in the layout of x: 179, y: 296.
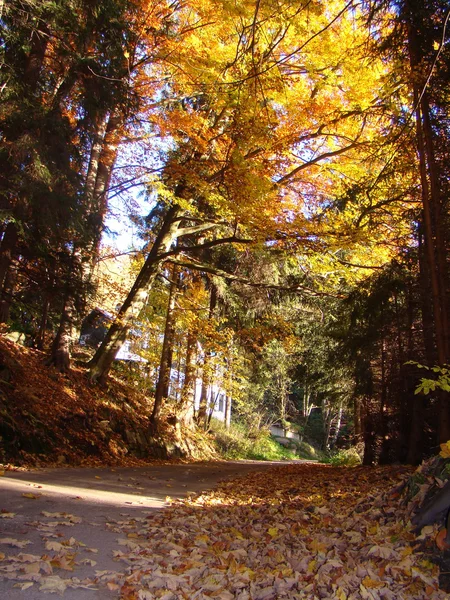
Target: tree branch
x: 199, y: 266
x: 195, y: 228
x: 319, y: 158
x: 205, y: 245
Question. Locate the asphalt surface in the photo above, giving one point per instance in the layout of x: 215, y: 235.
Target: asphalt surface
x: 84, y: 508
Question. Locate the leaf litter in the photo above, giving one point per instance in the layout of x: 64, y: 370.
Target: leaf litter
x: 300, y: 531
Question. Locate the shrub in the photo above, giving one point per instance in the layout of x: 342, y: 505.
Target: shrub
x: 348, y: 458
x: 238, y: 442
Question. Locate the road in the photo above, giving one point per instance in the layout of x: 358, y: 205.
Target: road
x: 64, y: 523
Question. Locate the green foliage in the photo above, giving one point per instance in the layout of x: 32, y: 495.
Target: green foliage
x: 428, y: 385
x: 238, y: 442
x: 344, y: 458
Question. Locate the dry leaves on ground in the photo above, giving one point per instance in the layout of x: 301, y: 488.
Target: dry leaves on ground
x: 299, y: 531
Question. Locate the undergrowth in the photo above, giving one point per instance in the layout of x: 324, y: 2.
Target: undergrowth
x: 237, y: 442
x: 349, y: 457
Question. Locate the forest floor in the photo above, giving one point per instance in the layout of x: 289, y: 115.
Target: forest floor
x: 300, y: 531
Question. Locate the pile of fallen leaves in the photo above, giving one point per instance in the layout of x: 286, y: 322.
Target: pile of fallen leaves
x: 49, y: 418
x: 306, y: 531
x: 302, y: 531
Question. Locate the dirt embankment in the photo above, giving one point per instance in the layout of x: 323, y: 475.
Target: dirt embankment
x: 50, y: 418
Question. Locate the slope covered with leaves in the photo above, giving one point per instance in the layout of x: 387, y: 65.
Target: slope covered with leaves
x: 51, y: 418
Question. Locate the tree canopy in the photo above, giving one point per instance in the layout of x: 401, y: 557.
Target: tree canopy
x: 294, y: 157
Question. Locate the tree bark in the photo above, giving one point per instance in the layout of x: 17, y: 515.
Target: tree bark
x: 60, y: 352
x: 7, y: 249
x: 357, y: 421
x: 337, y: 426
x: 228, y: 411
x: 185, y: 410
x: 206, y: 381
x: 432, y: 216
x: 40, y: 337
x: 136, y: 299
x: 206, y: 371
x: 106, y: 161
x: 8, y: 291
x: 163, y: 384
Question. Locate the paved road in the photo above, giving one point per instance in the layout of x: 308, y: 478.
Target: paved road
x: 81, y: 508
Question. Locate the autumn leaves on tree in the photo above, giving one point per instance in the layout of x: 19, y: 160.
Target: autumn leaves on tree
x: 297, y: 156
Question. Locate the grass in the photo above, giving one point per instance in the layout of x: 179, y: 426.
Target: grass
x: 238, y: 442
x: 348, y: 458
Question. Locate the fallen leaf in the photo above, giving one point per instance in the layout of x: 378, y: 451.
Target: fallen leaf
x: 53, y: 584
x: 15, y: 543
x: 441, y: 541
x: 54, y: 546
x: 24, y: 585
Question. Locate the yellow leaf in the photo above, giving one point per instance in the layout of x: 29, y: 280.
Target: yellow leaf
x: 273, y: 532
x: 371, y: 583
x: 445, y: 450
x: 406, y: 551
x: 312, y: 566
x: 340, y: 594
x: 202, y: 538
x: 237, y: 533
x: 318, y: 546
x: 31, y: 496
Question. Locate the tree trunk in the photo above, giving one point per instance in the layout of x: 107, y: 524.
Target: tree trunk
x: 206, y: 372
x: 106, y: 140
x: 337, y: 426
x: 7, y: 250
x: 415, y: 441
x: 94, y: 159
x: 136, y: 299
x: 369, y: 434
x: 357, y: 421
x: 60, y: 352
x: 8, y: 291
x: 206, y: 381
x: 106, y: 161
x: 165, y: 365
x: 425, y: 306
x: 327, y: 421
x: 35, y: 59
x: 432, y: 216
x: 40, y: 337
x: 185, y: 410
x: 228, y: 411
